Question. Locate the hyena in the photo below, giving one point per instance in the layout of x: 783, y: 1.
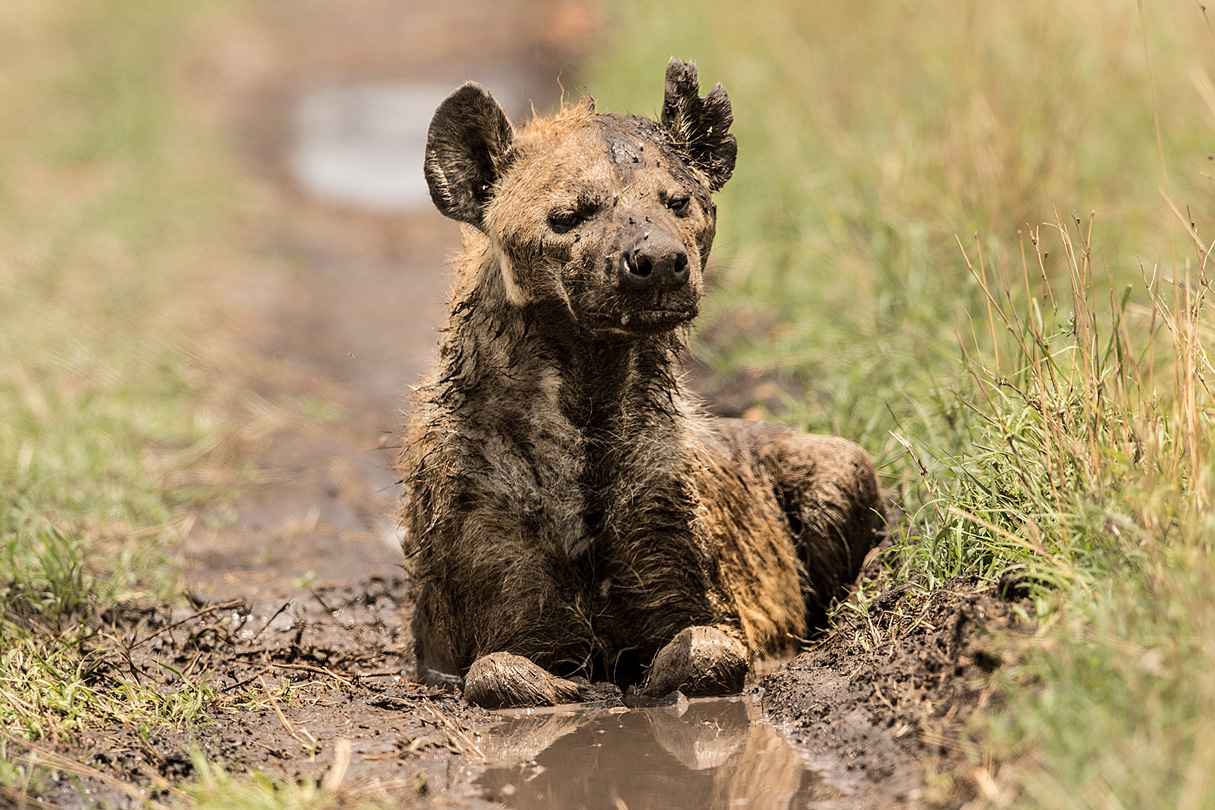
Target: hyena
x: 571, y: 515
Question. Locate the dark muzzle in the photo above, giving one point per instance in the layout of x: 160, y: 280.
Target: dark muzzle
x: 656, y: 261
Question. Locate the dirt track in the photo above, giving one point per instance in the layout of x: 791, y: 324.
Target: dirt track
x: 302, y: 594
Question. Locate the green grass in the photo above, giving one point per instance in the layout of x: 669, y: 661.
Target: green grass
x: 121, y: 406
x: 955, y: 227
x: 101, y: 277
x: 112, y: 427
x: 217, y: 789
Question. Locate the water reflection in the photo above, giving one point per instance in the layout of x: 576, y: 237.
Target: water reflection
x: 699, y: 754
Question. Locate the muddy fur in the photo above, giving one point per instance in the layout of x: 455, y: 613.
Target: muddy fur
x: 566, y: 503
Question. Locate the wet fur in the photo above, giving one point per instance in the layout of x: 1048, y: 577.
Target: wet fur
x: 566, y: 502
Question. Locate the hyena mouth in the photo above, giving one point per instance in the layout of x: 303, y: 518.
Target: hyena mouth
x: 643, y: 321
x: 657, y: 317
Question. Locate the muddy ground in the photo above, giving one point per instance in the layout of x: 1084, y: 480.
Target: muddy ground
x: 298, y: 609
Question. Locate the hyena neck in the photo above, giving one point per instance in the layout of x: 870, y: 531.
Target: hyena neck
x: 618, y: 383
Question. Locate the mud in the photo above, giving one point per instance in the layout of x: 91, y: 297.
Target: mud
x: 314, y: 690
x: 297, y: 617
x: 887, y: 696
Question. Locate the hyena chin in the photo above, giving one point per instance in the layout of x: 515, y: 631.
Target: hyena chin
x: 571, y: 516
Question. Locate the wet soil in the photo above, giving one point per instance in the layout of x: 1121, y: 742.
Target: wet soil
x: 887, y: 696
x: 297, y: 616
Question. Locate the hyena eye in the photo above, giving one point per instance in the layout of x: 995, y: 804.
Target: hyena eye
x: 680, y: 205
x: 563, y: 221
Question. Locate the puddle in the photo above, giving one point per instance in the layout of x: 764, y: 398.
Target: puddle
x: 695, y: 754
x: 361, y: 144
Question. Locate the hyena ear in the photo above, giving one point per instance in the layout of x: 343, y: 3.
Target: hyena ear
x: 699, y: 126
x: 468, y: 139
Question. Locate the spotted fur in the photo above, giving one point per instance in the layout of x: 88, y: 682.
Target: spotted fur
x: 569, y: 510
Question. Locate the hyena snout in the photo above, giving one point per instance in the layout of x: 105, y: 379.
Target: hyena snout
x: 655, y: 261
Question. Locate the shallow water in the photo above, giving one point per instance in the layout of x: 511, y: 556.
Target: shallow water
x: 694, y: 754
x: 361, y: 144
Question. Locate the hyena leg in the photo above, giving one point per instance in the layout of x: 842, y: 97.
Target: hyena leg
x: 700, y: 662
x: 504, y: 680
x: 828, y: 490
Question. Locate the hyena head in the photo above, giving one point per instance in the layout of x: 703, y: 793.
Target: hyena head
x: 605, y: 217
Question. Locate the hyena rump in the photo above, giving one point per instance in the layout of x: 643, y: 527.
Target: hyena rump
x: 570, y: 514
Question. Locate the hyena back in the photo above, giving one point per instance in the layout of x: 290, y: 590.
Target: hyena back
x: 569, y: 512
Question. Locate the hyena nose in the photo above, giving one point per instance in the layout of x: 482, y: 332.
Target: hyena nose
x: 654, y: 262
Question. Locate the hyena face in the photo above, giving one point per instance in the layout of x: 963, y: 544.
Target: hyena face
x: 607, y: 216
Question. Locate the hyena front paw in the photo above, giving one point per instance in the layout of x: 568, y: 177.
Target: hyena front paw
x: 503, y: 680
x: 700, y: 662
